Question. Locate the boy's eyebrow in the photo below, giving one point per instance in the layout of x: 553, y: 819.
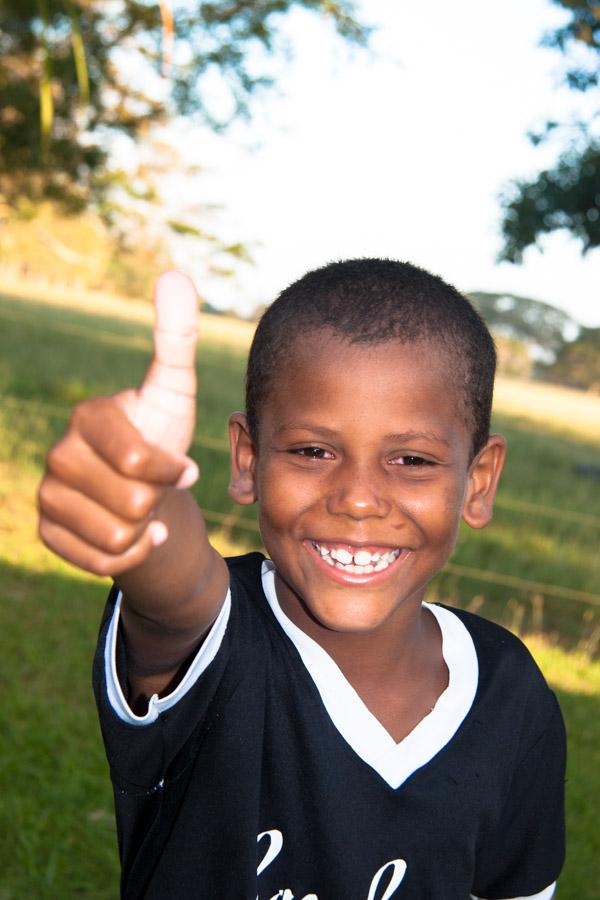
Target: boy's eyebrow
x: 307, y: 426
x: 409, y: 435
x: 399, y: 437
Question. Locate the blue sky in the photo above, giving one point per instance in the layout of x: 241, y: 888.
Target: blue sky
x: 399, y: 152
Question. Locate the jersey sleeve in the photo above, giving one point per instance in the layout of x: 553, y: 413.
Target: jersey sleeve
x: 153, y: 758
x: 141, y: 749
x: 115, y: 674
x: 522, y: 855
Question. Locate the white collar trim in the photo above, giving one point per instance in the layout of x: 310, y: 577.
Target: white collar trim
x: 394, y: 762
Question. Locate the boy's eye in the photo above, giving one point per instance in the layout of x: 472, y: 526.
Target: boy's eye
x: 313, y: 453
x: 413, y: 461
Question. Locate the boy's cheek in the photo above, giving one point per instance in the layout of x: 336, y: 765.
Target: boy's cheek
x: 282, y: 499
x: 439, y: 509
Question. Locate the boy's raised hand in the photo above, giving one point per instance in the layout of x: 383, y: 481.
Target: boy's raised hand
x: 108, y: 477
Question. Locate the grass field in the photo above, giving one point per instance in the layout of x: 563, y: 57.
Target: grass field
x: 535, y: 569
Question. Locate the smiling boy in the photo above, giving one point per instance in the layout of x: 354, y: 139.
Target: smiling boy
x: 306, y: 726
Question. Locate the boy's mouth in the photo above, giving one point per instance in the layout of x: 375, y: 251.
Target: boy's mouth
x: 360, y: 561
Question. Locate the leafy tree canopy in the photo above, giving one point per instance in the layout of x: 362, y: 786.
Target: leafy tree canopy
x: 75, y: 73
x: 536, y: 323
x: 567, y: 195
x: 578, y: 362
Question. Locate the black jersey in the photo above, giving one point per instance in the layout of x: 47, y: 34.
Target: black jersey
x: 265, y: 777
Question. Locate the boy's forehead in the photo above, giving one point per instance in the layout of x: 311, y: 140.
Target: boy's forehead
x: 392, y: 387
x: 324, y: 358
x: 306, y: 350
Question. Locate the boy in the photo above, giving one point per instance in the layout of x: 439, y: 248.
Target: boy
x: 306, y: 727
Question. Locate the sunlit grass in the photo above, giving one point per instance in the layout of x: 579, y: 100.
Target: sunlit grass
x: 551, y: 406
x: 576, y: 681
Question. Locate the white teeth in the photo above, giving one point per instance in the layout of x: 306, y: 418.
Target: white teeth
x: 360, y: 563
x: 342, y: 556
x: 363, y: 558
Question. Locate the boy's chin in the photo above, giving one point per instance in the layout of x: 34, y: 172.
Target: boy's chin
x: 355, y: 616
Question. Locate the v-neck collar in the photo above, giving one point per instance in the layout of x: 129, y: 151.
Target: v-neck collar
x: 394, y: 762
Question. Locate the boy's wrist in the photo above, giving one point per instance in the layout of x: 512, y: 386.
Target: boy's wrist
x: 179, y: 588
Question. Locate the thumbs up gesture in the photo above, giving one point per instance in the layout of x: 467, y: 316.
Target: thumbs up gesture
x: 111, y: 479
x: 164, y: 409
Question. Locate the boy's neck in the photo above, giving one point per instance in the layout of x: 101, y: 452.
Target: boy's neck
x: 398, y: 669
x: 389, y: 645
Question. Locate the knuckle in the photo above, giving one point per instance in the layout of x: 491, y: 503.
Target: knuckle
x: 82, y: 410
x: 44, y: 532
x: 134, y: 461
x: 63, y: 456
x: 56, y: 455
x: 105, y: 566
x: 113, y: 565
x: 118, y: 540
x: 101, y: 564
x: 86, y: 416
x: 142, y: 500
x: 79, y: 414
x: 44, y: 494
x: 47, y: 501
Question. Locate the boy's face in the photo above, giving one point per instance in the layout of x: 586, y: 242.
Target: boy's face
x: 362, y: 474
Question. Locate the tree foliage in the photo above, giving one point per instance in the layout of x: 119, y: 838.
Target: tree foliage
x: 75, y: 73
x: 534, y: 322
x: 578, y: 362
x: 514, y: 357
x: 536, y: 339
x: 566, y: 195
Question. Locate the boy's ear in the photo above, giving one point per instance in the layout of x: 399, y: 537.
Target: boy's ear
x: 242, y: 461
x: 484, y: 474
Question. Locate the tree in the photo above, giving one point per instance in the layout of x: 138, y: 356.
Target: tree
x: 566, y: 195
x: 539, y: 325
x: 76, y: 73
x: 578, y: 362
x: 514, y: 358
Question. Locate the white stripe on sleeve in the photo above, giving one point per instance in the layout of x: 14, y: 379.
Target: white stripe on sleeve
x: 156, y: 705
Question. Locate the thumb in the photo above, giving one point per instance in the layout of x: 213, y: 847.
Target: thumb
x: 165, y: 411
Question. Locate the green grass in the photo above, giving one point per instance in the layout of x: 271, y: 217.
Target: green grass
x: 576, y: 682
x: 56, y: 805
x: 545, y: 532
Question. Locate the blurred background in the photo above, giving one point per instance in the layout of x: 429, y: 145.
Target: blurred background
x: 247, y: 142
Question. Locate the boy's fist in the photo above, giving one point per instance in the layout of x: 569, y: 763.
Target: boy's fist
x: 108, y: 478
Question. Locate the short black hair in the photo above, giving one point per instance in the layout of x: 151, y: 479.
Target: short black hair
x: 371, y: 301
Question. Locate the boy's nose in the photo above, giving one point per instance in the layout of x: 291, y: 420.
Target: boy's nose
x: 357, y: 493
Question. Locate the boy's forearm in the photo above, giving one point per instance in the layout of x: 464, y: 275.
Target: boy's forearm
x: 170, y: 601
